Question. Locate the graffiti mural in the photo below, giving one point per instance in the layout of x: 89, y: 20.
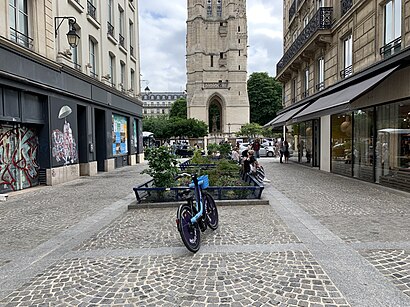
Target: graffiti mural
x: 64, y: 145
x: 18, y: 158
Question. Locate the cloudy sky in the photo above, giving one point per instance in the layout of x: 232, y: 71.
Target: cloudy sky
x: 162, y: 41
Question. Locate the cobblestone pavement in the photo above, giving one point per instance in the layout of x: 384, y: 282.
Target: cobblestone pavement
x: 325, y: 240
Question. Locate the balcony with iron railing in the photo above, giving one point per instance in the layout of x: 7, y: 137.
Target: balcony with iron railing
x: 110, y: 29
x: 91, y: 10
x: 346, y: 72
x: 345, y: 5
x: 391, y: 48
x: 215, y: 85
x: 21, y: 38
x: 322, y: 20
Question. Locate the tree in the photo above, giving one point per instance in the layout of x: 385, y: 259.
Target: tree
x: 251, y: 130
x: 157, y: 125
x: 165, y: 128
x: 265, y: 97
x: 179, y: 109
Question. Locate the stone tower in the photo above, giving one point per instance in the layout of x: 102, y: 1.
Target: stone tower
x: 216, y: 61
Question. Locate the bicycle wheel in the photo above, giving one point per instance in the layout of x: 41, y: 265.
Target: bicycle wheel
x: 190, y: 233
x: 211, y: 211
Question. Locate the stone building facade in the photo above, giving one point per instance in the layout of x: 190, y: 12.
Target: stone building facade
x: 159, y: 103
x: 67, y: 111
x: 346, y: 94
x: 216, y: 63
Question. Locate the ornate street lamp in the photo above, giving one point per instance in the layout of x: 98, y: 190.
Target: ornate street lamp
x: 72, y: 36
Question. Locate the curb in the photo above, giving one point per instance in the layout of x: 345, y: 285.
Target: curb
x: 239, y: 202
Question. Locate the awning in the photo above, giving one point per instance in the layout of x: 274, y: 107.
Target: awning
x: 339, y: 101
x: 274, y: 120
x: 288, y: 115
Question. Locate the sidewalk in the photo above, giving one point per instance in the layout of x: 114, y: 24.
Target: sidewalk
x: 324, y: 240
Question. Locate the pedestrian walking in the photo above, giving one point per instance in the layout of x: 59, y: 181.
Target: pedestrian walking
x: 286, y: 151
x: 281, y: 150
x: 256, y: 146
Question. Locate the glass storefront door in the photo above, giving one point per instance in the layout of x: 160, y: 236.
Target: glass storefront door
x: 342, y: 144
x: 363, y: 149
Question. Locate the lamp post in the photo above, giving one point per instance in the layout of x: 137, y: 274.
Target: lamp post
x: 229, y: 129
x: 72, y: 36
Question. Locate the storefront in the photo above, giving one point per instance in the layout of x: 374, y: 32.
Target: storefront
x: 57, y: 124
x: 359, y: 128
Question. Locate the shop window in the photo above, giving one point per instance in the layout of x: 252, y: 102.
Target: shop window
x: 119, y: 135
x: 363, y: 147
x: 393, y: 139
x: 342, y: 128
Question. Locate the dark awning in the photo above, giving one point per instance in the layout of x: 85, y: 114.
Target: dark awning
x: 339, y: 101
x: 288, y: 115
x: 274, y: 120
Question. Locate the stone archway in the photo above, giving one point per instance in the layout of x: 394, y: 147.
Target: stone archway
x: 215, y: 115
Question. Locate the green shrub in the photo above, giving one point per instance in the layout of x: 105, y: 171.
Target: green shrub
x: 162, y: 166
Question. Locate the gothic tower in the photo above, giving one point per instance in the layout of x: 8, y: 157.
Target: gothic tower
x: 216, y: 61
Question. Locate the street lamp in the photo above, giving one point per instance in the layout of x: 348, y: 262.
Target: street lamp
x: 72, y: 36
x: 229, y: 129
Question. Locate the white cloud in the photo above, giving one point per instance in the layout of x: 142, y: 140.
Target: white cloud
x: 162, y: 40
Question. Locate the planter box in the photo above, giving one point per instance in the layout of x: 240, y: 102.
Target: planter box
x: 147, y: 193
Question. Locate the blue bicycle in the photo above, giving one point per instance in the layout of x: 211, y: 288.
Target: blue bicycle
x: 194, y: 217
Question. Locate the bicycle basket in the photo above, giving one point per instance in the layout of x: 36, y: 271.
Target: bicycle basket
x: 205, y: 180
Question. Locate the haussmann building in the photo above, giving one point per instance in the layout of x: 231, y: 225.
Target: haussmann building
x: 69, y: 82
x: 346, y: 88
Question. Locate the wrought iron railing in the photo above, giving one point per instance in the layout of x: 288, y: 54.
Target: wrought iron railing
x: 77, y: 66
x: 292, y: 10
x: 93, y: 74
x: 91, y: 10
x: 121, y: 40
x: 321, y: 20
x: 391, y: 48
x: 21, y: 38
x: 305, y: 94
x: 345, y: 5
x: 216, y: 84
x: 110, y: 29
x: 320, y: 86
x: 348, y: 71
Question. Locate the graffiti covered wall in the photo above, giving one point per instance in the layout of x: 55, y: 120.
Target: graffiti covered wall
x: 18, y: 158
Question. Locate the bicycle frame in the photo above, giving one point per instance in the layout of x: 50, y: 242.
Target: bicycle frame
x: 198, y: 198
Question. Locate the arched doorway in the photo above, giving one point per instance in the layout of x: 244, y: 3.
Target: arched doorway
x: 215, y: 115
